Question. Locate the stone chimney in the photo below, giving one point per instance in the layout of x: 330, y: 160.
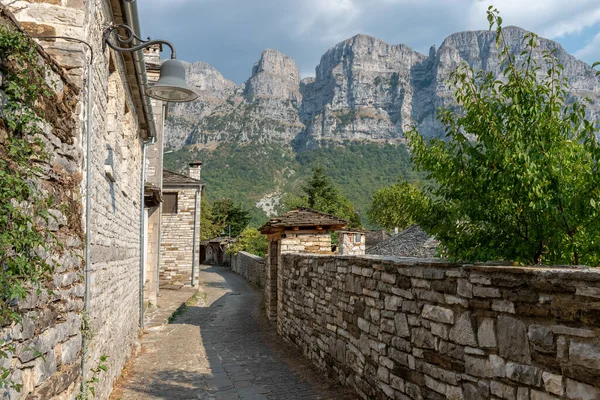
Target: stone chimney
x: 152, y: 54
x: 195, y: 168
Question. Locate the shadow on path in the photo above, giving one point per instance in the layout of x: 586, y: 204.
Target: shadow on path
x: 223, y: 348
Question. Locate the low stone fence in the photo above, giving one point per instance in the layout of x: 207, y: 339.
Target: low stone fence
x: 249, y: 266
x: 394, y: 328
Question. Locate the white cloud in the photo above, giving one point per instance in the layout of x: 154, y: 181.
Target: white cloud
x: 331, y: 19
x: 548, y: 18
x: 591, y: 51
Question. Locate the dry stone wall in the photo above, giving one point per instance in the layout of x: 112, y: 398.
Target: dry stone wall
x: 249, y: 266
x: 47, y: 343
x: 394, y: 328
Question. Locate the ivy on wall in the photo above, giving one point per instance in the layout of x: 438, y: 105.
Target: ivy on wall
x: 25, y: 237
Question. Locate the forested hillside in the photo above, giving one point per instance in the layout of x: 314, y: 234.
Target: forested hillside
x: 246, y: 172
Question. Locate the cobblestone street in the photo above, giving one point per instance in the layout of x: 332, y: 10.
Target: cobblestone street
x: 222, y: 348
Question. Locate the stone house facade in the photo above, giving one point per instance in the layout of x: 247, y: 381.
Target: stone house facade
x: 123, y: 123
x: 351, y: 242
x: 180, y: 225
x: 153, y: 182
x: 298, y: 231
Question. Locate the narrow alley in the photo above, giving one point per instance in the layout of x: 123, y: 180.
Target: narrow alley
x: 222, y: 347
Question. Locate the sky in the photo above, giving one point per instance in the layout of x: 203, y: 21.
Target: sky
x: 231, y: 34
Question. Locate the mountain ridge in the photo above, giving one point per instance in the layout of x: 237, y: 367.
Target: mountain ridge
x: 365, y: 92
x: 364, y: 89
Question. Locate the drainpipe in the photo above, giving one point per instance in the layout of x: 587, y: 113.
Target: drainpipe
x: 195, y: 236
x: 130, y: 12
x: 142, y: 236
x: 88, y: 201
x: 85, y: 339
x: 162, y: 151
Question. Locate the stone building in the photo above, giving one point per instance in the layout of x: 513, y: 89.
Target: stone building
x: 298, y: 231
x: 214, y: 251
x: 180, y: 225
x: 153, y: 183
x: 105, y: 312
x: 351, y: 242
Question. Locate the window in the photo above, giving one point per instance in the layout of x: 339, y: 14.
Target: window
x: 170, y: 203
x: 357, y: 238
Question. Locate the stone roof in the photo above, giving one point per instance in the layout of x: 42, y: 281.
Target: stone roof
x: 303, y: 217
x: 152, y: 195
x: 218, y: 240
x: 374, y: 237
x: 411, y: 242
x: 173, y: 178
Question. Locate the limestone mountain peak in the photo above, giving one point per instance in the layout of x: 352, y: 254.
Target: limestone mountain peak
x: 364, y: 89
x: 274, y: 75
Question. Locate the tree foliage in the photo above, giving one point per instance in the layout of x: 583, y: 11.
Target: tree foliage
x: 357, y: 169
x: 210, y: 227
x: 227, y: 213
x: 397, y: 206
x: 321, y: 195
x: 517, y: 178
x: 252, y: 241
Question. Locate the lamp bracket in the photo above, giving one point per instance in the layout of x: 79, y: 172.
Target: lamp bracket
x: 129, y: 38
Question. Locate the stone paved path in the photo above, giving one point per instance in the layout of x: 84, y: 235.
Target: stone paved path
x: 222, y: 348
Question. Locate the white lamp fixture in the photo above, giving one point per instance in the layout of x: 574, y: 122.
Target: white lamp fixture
x: 171, y: 85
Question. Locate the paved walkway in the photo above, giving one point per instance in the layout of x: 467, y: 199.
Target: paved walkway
x: 169, y: 300
x: 222, y: 348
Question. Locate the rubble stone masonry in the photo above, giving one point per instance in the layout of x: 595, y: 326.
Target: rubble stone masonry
x: 250, y: 266
x: 47, y: 343
x: 394, y: 328
x: 115, y: 222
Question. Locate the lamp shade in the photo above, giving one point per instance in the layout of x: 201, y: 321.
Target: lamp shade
x: 171, y: 85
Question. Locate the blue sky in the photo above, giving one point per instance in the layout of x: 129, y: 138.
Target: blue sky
x: 231, y: 34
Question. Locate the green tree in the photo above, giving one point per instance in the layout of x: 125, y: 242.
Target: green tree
x: 252, y: 241
x: 210, y: 227
x: 230, y: 214
x: 397, y: 206
x: 517, y: 178
x: 320, y: 194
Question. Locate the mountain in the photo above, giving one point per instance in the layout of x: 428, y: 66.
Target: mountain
x: 365, y: 91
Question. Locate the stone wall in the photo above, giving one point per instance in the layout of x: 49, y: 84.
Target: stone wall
x: 116, y: 141
x: 426, y: 329
x: 249, y: 266
x: 306, y: 242
x: 177, y: 239
x: 288, y: 242
x: 47, y: 360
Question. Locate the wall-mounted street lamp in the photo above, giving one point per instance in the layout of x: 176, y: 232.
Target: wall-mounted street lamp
x: 171, y: 85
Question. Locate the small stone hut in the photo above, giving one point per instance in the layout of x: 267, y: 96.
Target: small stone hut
x: 302, y: 230
x: 351, y: 242
x: 212, y: 251
x: 180, y: 225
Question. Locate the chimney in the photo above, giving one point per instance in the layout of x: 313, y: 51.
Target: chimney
x: 152, y: 54
x: 195, y: 168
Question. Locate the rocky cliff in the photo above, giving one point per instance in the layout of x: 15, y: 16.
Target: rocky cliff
x: 364, y: 90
